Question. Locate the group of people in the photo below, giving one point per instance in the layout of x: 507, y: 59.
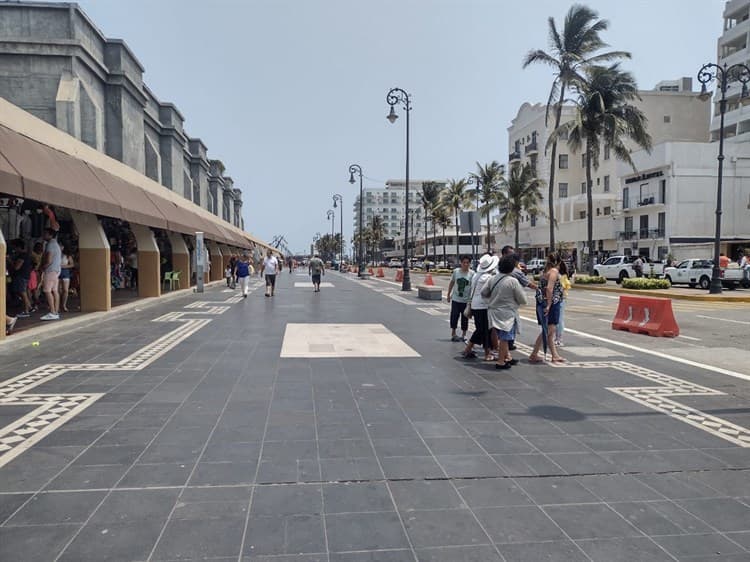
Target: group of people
x: 240, y: 270
x: 48, y: 269
x: 492, y: 296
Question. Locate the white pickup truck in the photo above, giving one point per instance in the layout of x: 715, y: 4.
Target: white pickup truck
x: 621, y: 267
x: 698, y: 272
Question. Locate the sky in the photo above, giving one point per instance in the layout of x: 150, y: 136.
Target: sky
x: 289, y: 93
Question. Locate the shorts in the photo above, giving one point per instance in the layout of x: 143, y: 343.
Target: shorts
x: 19, y: 285
x: 65, y: 273
x: 49, y: 281
x: 553, y: 316
x: 509, y: 335
x: 271, y: 280
x: 316, y: 279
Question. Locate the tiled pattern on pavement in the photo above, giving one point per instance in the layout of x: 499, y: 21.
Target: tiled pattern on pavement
x: 223, y: 450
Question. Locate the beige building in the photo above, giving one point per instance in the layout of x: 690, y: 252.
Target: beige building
x: 674, y: 113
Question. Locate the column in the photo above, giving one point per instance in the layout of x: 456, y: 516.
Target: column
x: 3, y: 284
x: 217, y: 271
x: 149, y: 269
x: 180, y: 258
x: 93, y: 261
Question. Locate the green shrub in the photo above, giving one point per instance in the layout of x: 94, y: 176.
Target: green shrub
x: 645, y: 283
x: 589, y: 280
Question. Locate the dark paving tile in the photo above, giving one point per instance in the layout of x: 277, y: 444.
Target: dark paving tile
x: 287, y: 500
x: 647, y: 517
x: 357, y: 497
x: 618, y: 487
x: 469, y: 466
x: 65, y: 437
x: 553, y: 551
x: 288, y: 534
x: 518, y: 524
x: 425, y: 494
x: 439, y: 428
x: 9, y: 503
x: 34, y: 543
x: 459, y: 554
x: 453, y: 446
x: 57, y: 508
x: 590, y: 521
x: 492, y: 493
x: 724, y: 514
x: 150, y: 475
x: 411, y: 467
x: 157, y: 454
x: 282, y: 558
x: 733, y: 483
x: 372, y: 556
x: 444, y: 527
x: 198, y: 539
x: 134, y: 436
x: 505, y: 445
x: 88, y: 477
x: 109, y: 454
x: 693, y: 546
x: 98, y: 542
x: 741, y: 538
x: 365, y: 531
x: 555, y: 490
x: 353, y: 430
x: 528, y: 465
x: 677, y: 487
x: 339, y: 469
x: 274, y: 472
x: 397, y: 447
x: 223, y: 473
x: 633, y: 549
x: 123, y: 506
x: 230, y: 451
x: 345, y: 448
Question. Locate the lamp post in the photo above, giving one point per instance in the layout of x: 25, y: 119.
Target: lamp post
x: 339, y: 199
x: 472, y: 180
x: 398, y: 96
x: 331, y: 216
x: 723, y: 75
x: 357, y: 169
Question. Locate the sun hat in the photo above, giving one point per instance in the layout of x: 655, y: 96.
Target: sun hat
x: 487, y: 263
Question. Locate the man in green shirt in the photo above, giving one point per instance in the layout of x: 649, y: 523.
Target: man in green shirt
x: 459, y: 290
x: 316, y: 268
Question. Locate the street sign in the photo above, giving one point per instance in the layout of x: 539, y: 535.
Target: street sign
x: 469, y: 222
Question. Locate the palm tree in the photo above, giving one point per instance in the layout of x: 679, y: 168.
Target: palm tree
x: 377, y: 232
x: 570, y: 54
x: 441, y: 217
x: 488, y: 179
x: 429, y: 198
x: 455, y: 197
x: 520, y: 193
x: 604, y: 115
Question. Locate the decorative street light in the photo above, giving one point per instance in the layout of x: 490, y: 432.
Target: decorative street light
x: 398, y: 96
x: 723, y: 76
x: 339, y: 199
x: 357, y: 169
x: 331, y: 216
x: 471, y: 180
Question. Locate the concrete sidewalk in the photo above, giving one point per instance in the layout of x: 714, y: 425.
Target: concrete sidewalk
x: 344, y: 426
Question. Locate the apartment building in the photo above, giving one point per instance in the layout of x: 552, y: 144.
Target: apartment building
x: 674, y: 113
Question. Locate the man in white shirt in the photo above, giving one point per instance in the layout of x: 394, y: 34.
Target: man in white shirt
x: 270, y: 268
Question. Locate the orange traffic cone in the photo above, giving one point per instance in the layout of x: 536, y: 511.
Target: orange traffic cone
x: 380, y: 272
x: 370, y: 271
x: 399, y: 275
x: 428, y: 279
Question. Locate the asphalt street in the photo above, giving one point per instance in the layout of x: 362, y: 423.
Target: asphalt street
x: 344, y: 426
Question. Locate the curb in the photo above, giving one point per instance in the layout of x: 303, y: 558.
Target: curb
x: 662, y: 293
x: 14, y: 342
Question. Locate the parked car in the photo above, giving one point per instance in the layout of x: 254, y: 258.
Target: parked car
x: 395, y: 263
x: 536, y: 265
x: 618, y: 268
x: 698, y: 272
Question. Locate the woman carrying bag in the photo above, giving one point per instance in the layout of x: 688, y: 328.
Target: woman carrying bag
x: 477, y: 309
x: 504, y: 296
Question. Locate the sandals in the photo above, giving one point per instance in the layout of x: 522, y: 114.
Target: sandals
x: 469, y: 355
x: 535, y: 360
x: 504, y: 366
x: 558, y: 360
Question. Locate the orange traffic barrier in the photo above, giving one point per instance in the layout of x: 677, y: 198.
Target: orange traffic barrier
x: 380, y: 272
x: 355, y: 269
x: 370, y: 271
x: 399, y: 275
x: 428, y: 279
x: 645, y: 315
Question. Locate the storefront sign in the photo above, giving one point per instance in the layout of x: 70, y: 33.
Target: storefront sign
x: 644, y: 177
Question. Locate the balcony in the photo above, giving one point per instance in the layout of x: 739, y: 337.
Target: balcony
x: 644, y: 200
x: 532, y: 148
x: 514, y: 156
x: 626, y: 235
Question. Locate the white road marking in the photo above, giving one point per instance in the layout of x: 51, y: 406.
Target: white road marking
x: 723, y: 319
x: 689, y: 337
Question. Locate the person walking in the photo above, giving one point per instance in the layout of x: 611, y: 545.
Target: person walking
x: 66, y: 273
x: 51, y: 266
x: 458, y: 296
x: 566, y: 285
x: 521, y: 277
x: 481, y: 335
x: 638, y: 266
x: 270, y: 268
x: 316, y: 268
x: 21, y: 267
x: 549, y: 294
x: 504, y: 295
x: 243, y: 269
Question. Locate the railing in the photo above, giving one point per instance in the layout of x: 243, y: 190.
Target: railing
x: 653, y: 233
x: 515, y: 155
x: 641, y: 201
x: 626, y: 235
x: 532, y: 147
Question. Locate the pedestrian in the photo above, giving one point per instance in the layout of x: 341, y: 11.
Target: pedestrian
x: 228, y: 275
x: 10, y: 323
x: 481, y: 335
x: 522, y: 278
x: 243, y: 269
x: 133, y: 267
x: 316, y: 268
x: 270, y: 268
x: 66, y: 273
x: 723, y: 261
x: 548, y: 298
x: 566, y: 285
x: 504, y: 295
x: 51, y: 261
x: 290, y: 263
x: 638, y: 266
x: 458, y: 296
x: 21, y: 267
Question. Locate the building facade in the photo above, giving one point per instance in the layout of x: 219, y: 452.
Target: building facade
x: 674, y: 113
x: 57, y: 65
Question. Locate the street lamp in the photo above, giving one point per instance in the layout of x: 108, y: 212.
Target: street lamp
x: 398, y: 96
x: 331, y: 216
x: 339, y: 199
x: 357, y: 169
x: 472, y: 180
x: 723, y: 75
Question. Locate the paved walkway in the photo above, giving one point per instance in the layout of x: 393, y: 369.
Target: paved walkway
x: 343, y: 426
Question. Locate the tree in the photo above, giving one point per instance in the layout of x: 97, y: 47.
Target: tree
x: 441, y: 217
x: 455, y: 197
x: 328, y: 245
x: 604, y: 115
x: 570, y: 54
x: 519, y: 194
x: 488, y: 178
x: 377, y: 232
x: 429, y: 197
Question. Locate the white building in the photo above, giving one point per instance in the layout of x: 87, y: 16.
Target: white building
x: 674, y: 113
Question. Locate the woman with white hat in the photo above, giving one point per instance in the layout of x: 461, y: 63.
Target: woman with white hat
x: 481, y: 335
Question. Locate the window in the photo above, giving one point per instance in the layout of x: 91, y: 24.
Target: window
x: 628, y: 226
x: 663, y: 191
x: 562, y: 190
x: 533, y: 220
x: 606, y: 152
x: 607, y: 210
x: 643, y: 226
x: 612, y: 261
x: 667, y: 118
x: 583, y: 160
x: 625, y: 196
x: 583, y: 187
x: 582, y: 214
x: 662, y: 223
x: 606, y: 184
x: 562, y: 161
